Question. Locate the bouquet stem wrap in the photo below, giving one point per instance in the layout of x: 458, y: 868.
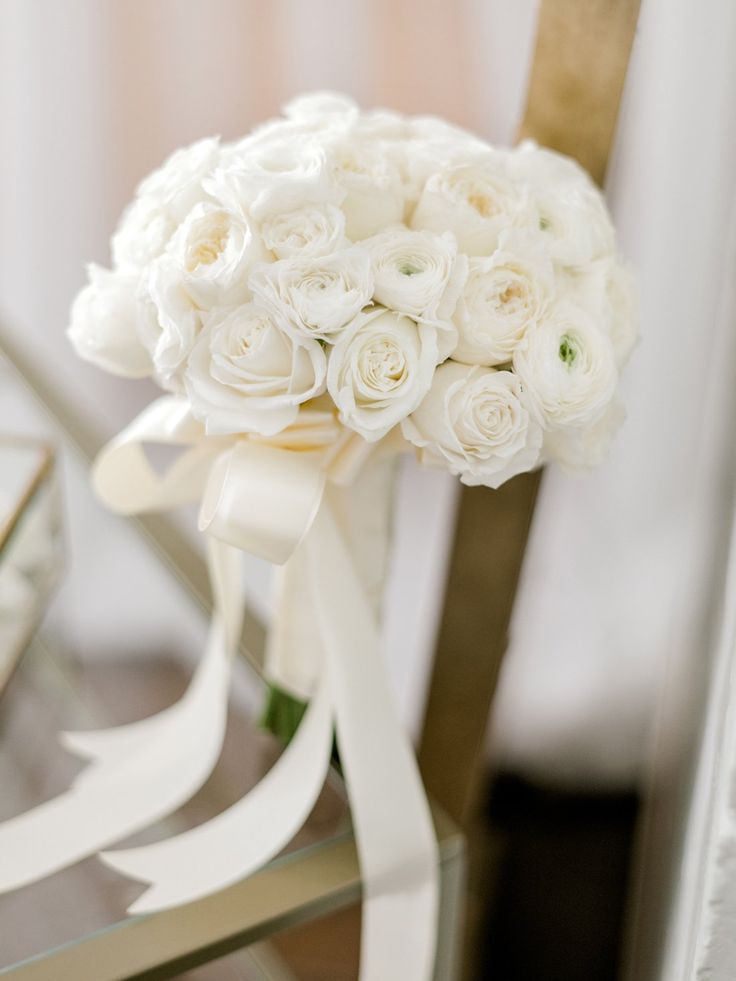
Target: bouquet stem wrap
x: 285, y: 506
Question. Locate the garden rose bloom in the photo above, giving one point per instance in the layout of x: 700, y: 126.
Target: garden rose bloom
x: 163, y: 200
x: 505, y: 295
x: 371, y: 184
x: 473, y: 201
x: 312, y: 230
x: 215, y: 249
x: 171, y: 321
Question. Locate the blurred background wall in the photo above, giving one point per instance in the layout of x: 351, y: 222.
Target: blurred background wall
x: 612, y: 628
x: 95, y: 94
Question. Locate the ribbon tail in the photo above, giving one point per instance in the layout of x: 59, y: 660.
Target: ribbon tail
x: 171, y: 755
x: 248, y: 834
x: 394, y: 833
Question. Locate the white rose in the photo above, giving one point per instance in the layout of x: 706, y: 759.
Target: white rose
x: 474, y: 201
x: 172, y: 322
x: 104, y: 324
x: 419, y: 274
x: 215, y: 249
x: 322, y: 108
x: 246, y: 375
x: 142, y: 235
x: 371, y: 184
x: 568, y: 368
x: 505, y: 295
x: 315, y: 296
x: 607, y: 290
x: 162, y: 200
x: 381, y: 125
x: 272, y: 171
x: 587, y: 446
x: 311, y: 230
x: 177, y: 184
x: 380, y: 370
x: 476, y: 421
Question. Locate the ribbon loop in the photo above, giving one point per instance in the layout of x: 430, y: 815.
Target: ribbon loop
x: 263, y: 499
x: 123, y: 476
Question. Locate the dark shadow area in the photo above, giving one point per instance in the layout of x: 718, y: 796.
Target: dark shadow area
x: 558, y: 908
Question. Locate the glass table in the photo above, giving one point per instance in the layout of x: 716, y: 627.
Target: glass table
x: 30, y: 543
x: 118, y: 642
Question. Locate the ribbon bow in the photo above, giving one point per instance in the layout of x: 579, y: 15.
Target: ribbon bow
x: 272, y: 499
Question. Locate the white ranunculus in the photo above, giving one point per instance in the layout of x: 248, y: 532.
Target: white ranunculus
x: 172, y: 322
x: 473, y: 201
x: 586, y: 446
x: 569, y: 209
x: 215, y: 249
x: 419, y: 274
x: 104, y: 324
x: 568, y: 367
x: 623, y: 319
x: 476, y: 421
x: 246, y: 375
x: 315, y: 296
x: 380, y: 370
x: 574, y: 223
x: 316, y: 229
x: 606, y: 289
x: 371, y: 184
x: 530, y: 163
x: 505, y: 295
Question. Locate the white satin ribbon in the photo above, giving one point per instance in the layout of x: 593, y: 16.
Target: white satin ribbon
x: 140, y: 774
x: 248, y: 834
x: 265, y: 499
x: 394, y: 833
x: 142, y: 771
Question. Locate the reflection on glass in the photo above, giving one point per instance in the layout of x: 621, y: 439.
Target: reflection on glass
x: 30, y: 543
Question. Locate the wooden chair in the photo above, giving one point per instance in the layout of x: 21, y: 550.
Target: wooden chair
x: 577, y: 78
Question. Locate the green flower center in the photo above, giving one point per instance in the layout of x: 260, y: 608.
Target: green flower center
x: 568, y: 350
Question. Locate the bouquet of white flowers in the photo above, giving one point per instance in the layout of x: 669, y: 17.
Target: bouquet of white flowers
x: 389, y: 271
x: 334, y: 288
